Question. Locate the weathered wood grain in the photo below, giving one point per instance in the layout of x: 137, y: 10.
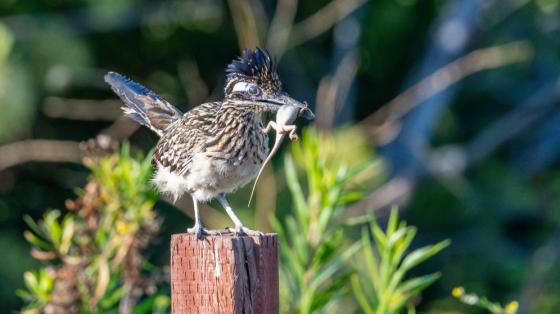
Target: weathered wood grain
x: 224, y: 274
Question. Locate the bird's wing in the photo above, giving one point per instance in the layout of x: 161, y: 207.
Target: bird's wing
x: 186, y: 137
x: 143, y: 105
x: 201, y: 117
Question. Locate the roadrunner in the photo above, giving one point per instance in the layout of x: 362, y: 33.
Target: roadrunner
x: 216, y: 147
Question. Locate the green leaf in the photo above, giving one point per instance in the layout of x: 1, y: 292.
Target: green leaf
x: 155, y: 304
x: 324, y: 219
x: 403, y: 245
x: 112, y: 299
x: 68, y: 227
x: 38, y: 242
x: 350, y: 197
x: 33, y: 225
x: 420, y: 255
x: 295, y: 187
x: 294, y: 265
x: 161, y: 304
x: 45, y: 281
x: 415, y: 285
x: 30, y: 280
x: 370, y: 258
x: 333, y: 266
x: 360, y: 220
x: 53, y: 230
x: 378, y: 236
x: 299, y: 245
x: 393, y: 221
x: 411, y: 309
x: 356, y: 170
x: 24, y: 295
x: 396, y: 236
x: 360, y: 295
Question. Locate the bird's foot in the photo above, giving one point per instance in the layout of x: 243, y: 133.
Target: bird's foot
x: 242, y: 231
x: 200, y: 231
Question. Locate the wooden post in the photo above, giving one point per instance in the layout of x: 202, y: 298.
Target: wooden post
x: 224, y: 274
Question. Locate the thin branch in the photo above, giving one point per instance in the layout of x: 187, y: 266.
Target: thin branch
x: 64, y: 151
x: 514, y: 123
x: 281, y: 26
x: 323, y: 20
x: 28, y: 27
x: 261, y: 18
x: 80, y: 109
x: 245, y: 24
x: 499, y: 11
x: 39, y: 150
x: 193, y: 84
x: 333, y: 90
x: 121, y: 129
x: 381, y: 124
x: 395, y: 192
x: 451, y: 161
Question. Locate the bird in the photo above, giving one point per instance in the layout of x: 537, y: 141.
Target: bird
x: 216, y: 147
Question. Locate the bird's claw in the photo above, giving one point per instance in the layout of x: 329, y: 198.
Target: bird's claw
x: 201, y: 231
x: 244, y: 231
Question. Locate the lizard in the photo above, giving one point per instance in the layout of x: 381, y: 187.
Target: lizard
x: 283, y: 125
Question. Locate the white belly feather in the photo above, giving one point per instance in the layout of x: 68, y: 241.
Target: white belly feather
x: 206, y: 180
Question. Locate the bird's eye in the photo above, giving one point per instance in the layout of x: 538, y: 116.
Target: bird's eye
x: 253, y: 90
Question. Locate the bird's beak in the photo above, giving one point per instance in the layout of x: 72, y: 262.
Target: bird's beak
x: 304, y: 111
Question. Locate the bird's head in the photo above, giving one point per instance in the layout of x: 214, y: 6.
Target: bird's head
x: 253, y: 78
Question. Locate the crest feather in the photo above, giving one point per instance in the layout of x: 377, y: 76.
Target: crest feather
x: 252, y: 63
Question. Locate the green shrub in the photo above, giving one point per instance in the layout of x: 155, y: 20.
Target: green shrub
x: 380, y: 287
x: 315, y: 249
x: 322, y: 264
x: 92, y: 254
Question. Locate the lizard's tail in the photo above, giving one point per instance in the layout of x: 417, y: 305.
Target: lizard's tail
x: 257, y: 179
x: 277, y: 142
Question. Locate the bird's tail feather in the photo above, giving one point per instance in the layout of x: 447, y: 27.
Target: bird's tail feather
x: 143, y: 105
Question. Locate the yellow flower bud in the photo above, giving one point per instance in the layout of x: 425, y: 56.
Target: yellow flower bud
x: 512, y: 307
x: 458, y: 292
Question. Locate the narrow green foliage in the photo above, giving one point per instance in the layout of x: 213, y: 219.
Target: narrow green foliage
x: 315, y: 250
x: 379, y: 282
x: 93, y: 253
x: 155, y: 304
x: 38, y: 287
x: 484, y: 303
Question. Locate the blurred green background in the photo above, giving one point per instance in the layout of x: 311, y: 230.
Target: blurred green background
x: 458, y: 98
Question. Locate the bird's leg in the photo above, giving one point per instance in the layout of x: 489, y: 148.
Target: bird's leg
x: 239, y: 228
x: 198, y: 229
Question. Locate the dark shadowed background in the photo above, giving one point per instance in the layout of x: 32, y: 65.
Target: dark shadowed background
x: 459, y: 98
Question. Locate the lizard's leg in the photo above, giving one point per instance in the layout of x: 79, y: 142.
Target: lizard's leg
x: 292, y: 131
x: 270, y: 125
